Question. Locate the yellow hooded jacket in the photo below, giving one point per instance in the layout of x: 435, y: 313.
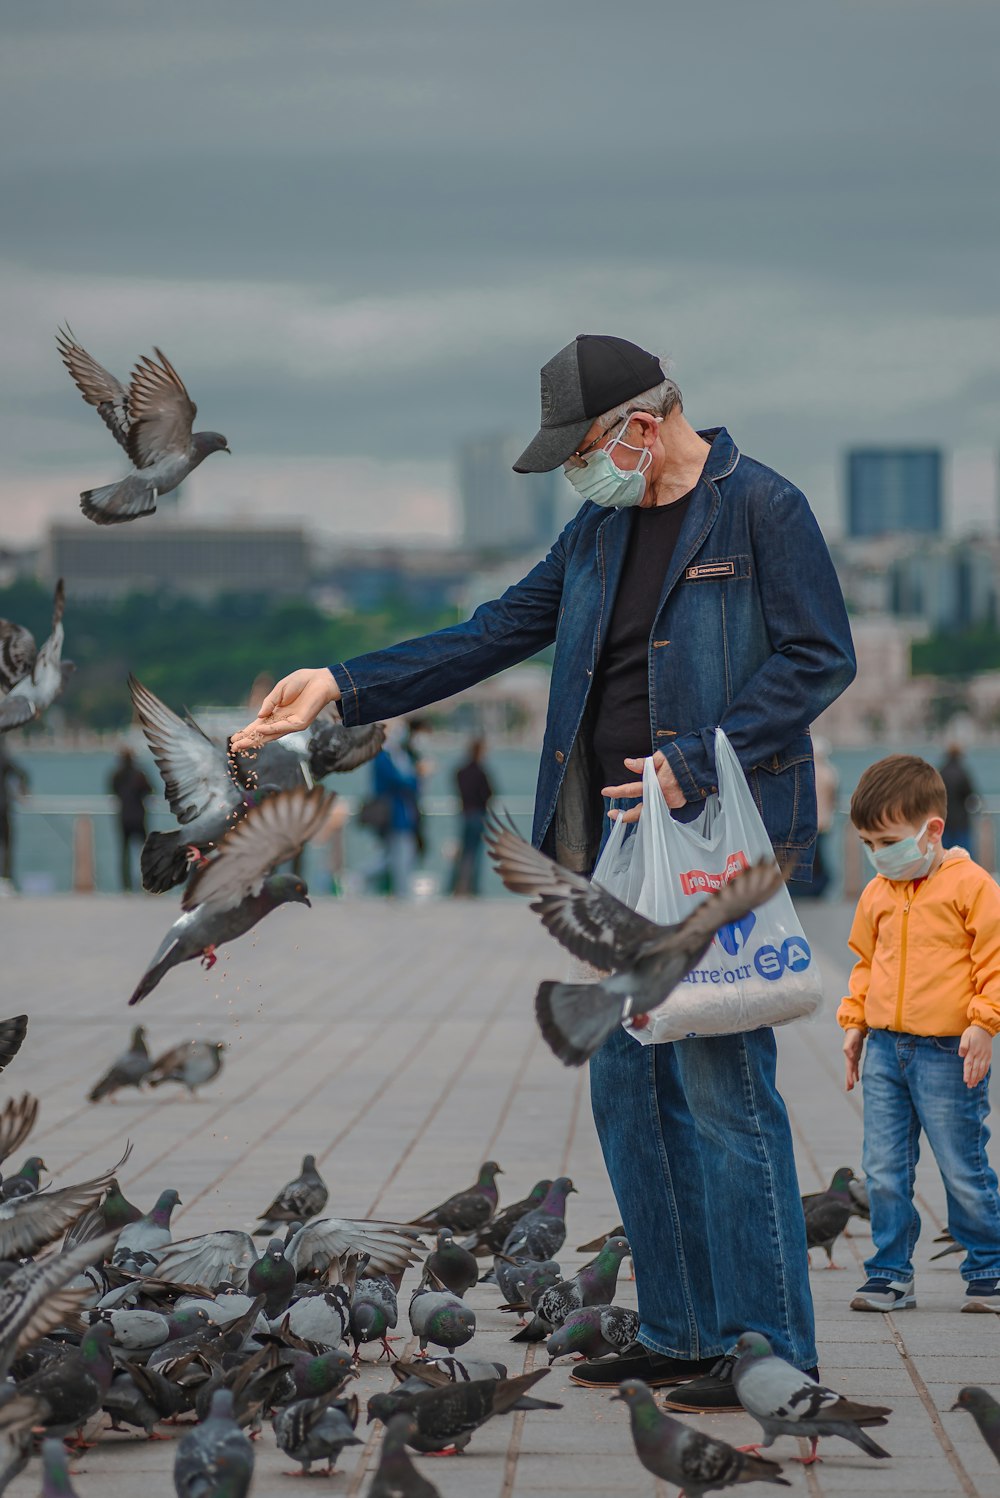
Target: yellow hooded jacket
x: 928, y: 954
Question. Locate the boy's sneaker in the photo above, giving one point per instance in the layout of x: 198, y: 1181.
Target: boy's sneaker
x: 888, y: 1295
x: 982, y: 1295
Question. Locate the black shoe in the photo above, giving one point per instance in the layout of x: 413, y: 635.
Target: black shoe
x: 654, y: 1368
x: 714, y: 1394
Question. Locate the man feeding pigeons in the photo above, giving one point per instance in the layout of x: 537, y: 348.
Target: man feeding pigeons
x: 692, y: 590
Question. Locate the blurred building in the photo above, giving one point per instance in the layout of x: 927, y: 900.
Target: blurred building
x: 366, y: 577
x: 892, y: 491
x: 200, y: 560
x: 502, y: 510
x: 948, y: 587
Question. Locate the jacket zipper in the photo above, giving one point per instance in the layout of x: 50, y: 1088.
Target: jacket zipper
x: 898, y: 1025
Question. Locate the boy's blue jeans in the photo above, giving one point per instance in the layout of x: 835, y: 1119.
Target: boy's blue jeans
x: 913, y: 1084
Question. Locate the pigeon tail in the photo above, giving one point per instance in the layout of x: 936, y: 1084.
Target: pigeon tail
x: 576, y: 1019
x: 147, y: 983
x: 861, y: 1438
x: 116, y: 503
x: 163, y: 861
x: 535, y: 1331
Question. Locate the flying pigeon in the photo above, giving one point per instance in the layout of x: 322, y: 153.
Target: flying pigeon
x: 215, y: 1459
x: 984, y: 1410
x: 450, y: 1266
x: 467, y: 1209
x: 297, y: 1201
x: 227, y: 895
x: 490, y: 1238
x: 645, y: 961
x: 449, y: 1416
x: 374, y: 1311
x: 128, y: 1071
x: 12, y: 1033
x: 227, y: 1256
x: 784, y: 1401
x: 828, y: 1212
x: 677, y: 1453
x: 593, y: 1285
x: 594, y: 1332
x: 151, y: 420
x: 192, y: 1063
x: 200, y: 787
x: 31, y: 679
x: 441, y: 1318
x: 316, y: 1430
x: 29, y: 1223
x: 541, y: 1233
x: 326, y: 747
x: 396, y: 1476
x: 56, y: 1481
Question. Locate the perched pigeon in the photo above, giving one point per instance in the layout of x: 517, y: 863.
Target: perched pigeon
x: 322, y: 1317
x: 396, y: 1476
x: 676, y: 1453
x: 200, y: 786
x: 594, y: 1332
x: 215, y: 1459
x: 984, y: 1410
x: 151, y: 420
x: 601, y: 1239
x: 107, y: 1216
x: 273, y: 1277
x: 299, y: 1200
x: 827, y: 1213
x: 56, y: 1481
x: 490, y: 1238
x: 466, y: 1209
x: 540, y: 1234
x: 149, y: 1235
x: 26, y: 1182
x: 72, y: 1387
x: 784, y: 1401
x: 227, y: 896
x: 521, y: 1280
x: 374, y: 1311
x: 593, y: 1285
x: 422, y: 1374
x: 441, y: 1318
x: 449, y: 1416
x: 315, y: 1430
x: 311, y: 1376
x: 128, y: 1071
x: 193, y: 1063
x: 12, y: 1031
x: 645, y: 961
x: 128, y: 1405
x: 31, y: 679
x: 450, y: 1266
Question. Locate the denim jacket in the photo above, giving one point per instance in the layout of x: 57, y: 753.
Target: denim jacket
x: 751, y: 634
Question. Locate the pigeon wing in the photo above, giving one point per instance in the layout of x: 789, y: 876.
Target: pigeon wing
x: 748, y: 889
x: 209, y: 1259
x: 390, y: 1246
x: 16, y: 1122
x: 17, y: 653
x: 12, y: 1033
x: 269, y: 834
x: 195, y: 771
x: 37, y: 1298
x: 164, y: 1066
x: 28, y: 1223
x: 588, y: 921
x: 335, y: 748
x: 17, y: 710
x: 162, y: 412
x: 97, y: 386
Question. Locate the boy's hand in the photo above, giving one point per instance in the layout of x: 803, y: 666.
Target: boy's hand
x: 854, y: 1040
x: 976, y: 1046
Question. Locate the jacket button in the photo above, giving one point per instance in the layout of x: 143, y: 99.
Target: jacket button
x: 559, y: 756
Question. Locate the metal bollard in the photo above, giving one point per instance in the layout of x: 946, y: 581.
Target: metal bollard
x: 84, y: 880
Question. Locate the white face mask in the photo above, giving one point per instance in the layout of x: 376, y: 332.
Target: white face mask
x: 904, y: 860
x: 602, y: 482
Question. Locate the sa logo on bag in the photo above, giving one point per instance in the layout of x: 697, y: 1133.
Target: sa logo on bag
x: 794, y: 955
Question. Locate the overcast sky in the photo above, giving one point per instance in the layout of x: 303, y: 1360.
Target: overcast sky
x: 359, y: 230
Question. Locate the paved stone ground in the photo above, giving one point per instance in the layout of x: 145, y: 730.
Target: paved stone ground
x: 397, y: 1043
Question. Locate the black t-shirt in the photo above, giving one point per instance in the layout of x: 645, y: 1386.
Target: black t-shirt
x: 621, y: 717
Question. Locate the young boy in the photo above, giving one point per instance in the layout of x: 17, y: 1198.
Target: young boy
x: 926, y: 992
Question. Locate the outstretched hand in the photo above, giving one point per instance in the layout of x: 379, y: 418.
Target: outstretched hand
x: 289, y: 707
x: 672, y: 793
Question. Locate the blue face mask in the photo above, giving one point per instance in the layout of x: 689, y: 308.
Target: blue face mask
x: 602, y: 482
x: 904, y: 860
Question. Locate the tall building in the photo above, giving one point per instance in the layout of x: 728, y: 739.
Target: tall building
x: 894, y: 491
x: 503, y: 510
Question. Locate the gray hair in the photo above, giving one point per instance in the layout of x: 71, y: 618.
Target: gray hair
x: 659, y: 401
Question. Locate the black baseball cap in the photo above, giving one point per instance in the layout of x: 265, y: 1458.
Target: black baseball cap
x: 591, y: 375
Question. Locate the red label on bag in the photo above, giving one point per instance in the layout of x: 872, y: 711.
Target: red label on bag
x: 700, y: 881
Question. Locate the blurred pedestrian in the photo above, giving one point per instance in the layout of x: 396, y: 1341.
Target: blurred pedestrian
x: 416, y: 736
x: 962, y: 799
x: 395, y: 788
x: 475, y: 793
x: 11, y: 774
x: 130, y: 788
x: 827, y: 785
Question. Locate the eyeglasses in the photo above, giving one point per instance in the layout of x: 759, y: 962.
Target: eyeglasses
x: 576, y: 460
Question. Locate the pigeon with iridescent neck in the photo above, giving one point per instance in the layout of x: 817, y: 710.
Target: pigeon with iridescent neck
x: 144, y: 1242
x: 541, y: 1233
x: 490, y: 1238
x: 593, y: 1285
x: 467, y: 1209
x: 594, y: 1332
x: 678, y: 1454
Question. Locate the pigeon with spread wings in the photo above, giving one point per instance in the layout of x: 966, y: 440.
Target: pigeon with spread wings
x: 643, y: 961
x: 230, y: 892
x: 151, y: 419
x: 31, y: 678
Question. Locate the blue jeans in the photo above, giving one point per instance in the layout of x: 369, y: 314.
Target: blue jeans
x: 913, y: 1083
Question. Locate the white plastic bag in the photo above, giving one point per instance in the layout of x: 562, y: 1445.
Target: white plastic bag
x: 757, y: 972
